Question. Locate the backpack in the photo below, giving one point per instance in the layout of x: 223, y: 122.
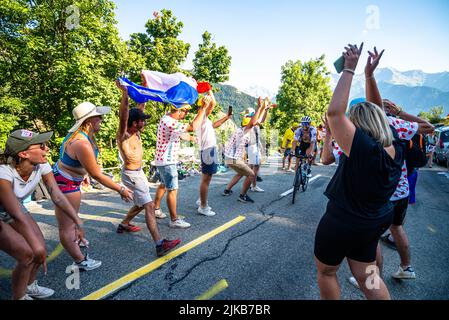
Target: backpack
x: 415, y: 152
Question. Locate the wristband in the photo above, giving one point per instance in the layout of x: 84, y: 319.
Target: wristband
x: 350, y: 71
x: 122, y: 189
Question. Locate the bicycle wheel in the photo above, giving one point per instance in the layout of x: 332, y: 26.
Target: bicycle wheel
x: 296, y: 183
x: 304, y: 179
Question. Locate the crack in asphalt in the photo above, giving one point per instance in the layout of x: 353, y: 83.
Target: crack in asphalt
x: 262, y: 209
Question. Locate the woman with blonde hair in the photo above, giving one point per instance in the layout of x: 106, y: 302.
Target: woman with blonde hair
x: 77, y: 158
x: 359, y: 210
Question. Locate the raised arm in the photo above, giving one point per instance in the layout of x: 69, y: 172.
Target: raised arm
x: 86, y: 156
x: 327, y: 156
x: 260, y: 109
x: 343, y: 130
x: 424, y: 126
x: 196, y: 123
x: 123, y: 112
x: 371, y: 90
x: 220, y: 122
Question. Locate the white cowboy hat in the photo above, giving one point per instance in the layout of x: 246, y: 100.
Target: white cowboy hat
x: 85, y: 111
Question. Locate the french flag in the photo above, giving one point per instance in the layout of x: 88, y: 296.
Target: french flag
x: 176, y: 89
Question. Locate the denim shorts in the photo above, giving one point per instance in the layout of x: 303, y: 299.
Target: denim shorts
x: 169, y: 176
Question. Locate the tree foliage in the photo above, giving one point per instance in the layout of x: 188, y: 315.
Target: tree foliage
x: 211, y: 63
x: 304, y: 90
x: 435, y: 115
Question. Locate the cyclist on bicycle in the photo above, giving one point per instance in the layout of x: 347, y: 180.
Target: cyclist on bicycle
x: 306, y: 136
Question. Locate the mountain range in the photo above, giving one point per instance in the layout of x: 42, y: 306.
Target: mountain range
x: 414, y: 90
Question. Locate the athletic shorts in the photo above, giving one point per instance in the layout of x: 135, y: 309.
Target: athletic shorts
x: 66, y: 183
x: 336, y: 239
x: 400, y: 210
x: 137, y: 182
x: 169, y: 177
x: 301, y: 149
x: 209, y: 161
x: 240, y: 167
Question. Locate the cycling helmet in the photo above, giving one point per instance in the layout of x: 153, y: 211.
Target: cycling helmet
x: 306, y: 120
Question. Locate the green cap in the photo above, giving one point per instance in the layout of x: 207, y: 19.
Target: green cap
x: 20, y: 140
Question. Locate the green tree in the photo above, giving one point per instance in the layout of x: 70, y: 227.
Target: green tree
x: 56, y: 54
x: 211, y: 63
x: 304, y: 90
x: 434, y: 115
x: 160, y: 46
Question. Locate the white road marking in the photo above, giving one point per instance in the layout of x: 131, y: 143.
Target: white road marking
x: 286, y: 193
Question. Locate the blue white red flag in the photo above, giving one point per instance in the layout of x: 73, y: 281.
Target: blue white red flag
x: 175, y: 89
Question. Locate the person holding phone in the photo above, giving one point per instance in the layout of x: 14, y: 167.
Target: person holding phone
x: 207, y: 140
x: 359, y: 210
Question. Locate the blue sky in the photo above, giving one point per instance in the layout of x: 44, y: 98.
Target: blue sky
x: 261, y: 36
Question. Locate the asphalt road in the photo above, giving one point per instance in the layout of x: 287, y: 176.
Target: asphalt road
x: 266, y: 254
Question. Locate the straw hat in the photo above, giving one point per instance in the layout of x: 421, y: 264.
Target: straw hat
x: 85, y: 111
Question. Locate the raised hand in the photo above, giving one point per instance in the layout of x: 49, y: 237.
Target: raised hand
x: 352, y: 56
x: 326, y: 124
x: 121, y: 87
x: 373, y: 62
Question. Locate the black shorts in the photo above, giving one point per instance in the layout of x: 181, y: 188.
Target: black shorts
x: 400, y: 210
x: 336, y: 239
x: 301, y: 149
x: 287, y: 152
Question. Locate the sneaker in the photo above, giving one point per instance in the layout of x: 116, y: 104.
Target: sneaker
x: 354, y: 282
x: 87, y: 264
x: 257, y: 189
x: 227, y: 193
x: 206, y: 211
x: 38, y: 292
x: 26, y: 297
x: 407, y: 273
x: 291, y: 170
x: 259, y: 179
x: 179, y: 223
x: 391, y: 244
x: 127, y: 228
x: 166, y: 246
x: 245, y: 199
x: 309, y: 175
x: 159, y: 214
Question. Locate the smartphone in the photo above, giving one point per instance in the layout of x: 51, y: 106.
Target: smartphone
x: 339, y: 64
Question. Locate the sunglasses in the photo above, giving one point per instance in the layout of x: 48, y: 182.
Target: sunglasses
x: 42, y: 146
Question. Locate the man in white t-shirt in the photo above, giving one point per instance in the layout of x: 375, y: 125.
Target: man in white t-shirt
x: 169, y: 134
x: 209, y: 156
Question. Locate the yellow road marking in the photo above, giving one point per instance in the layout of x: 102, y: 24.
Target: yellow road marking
x: 432, y: 229
x: 213, y: 291
x: 120, y: 283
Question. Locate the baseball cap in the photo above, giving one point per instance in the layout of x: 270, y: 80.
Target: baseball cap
x: 20, y: 140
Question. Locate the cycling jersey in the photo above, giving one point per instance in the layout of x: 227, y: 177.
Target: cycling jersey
x: 308, y: 136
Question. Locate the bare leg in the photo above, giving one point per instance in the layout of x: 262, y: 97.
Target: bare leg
x: 16, y: 246
x: 379, y: 260
x: 233, y: 182
x: 159, y: 195
x: 256, y: 171
x: 171, y: 204
x: 67, y: 231
x: 150, y: 219
x: 369, y: 280
x: 402, y: 244
x: 132, y: 213
x: 204, y: 189
x: 327, y: 281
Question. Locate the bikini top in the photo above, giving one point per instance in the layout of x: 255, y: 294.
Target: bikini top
x: 67, y: 160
